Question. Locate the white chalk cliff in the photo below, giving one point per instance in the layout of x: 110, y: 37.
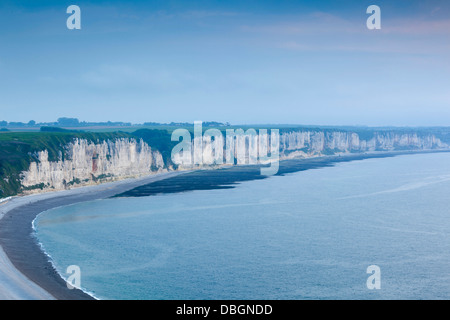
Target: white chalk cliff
x: 310, y: 143
x: 87, y: 162
x: 247, y: 148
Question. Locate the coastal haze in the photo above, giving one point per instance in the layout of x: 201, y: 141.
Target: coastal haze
x: 322, y: 157
x: 242, y: 62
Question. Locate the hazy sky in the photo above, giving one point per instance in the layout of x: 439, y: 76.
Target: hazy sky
x: 303, y: 62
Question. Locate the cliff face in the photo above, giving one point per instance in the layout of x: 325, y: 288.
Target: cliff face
x: 83, y: 162
x: 86, y: 162
x: 250, y: 148
x: 309, y: 143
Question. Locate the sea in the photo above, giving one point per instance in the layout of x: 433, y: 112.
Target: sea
x: 325, y: 233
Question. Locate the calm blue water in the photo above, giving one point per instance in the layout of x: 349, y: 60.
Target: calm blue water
x: 308, y: 235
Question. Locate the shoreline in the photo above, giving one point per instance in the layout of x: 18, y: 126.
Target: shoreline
x: 20, y: 279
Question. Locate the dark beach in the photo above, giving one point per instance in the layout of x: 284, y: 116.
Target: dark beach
x: 22, y: 248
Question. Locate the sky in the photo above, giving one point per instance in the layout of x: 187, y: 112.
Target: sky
x: 243, y: 62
